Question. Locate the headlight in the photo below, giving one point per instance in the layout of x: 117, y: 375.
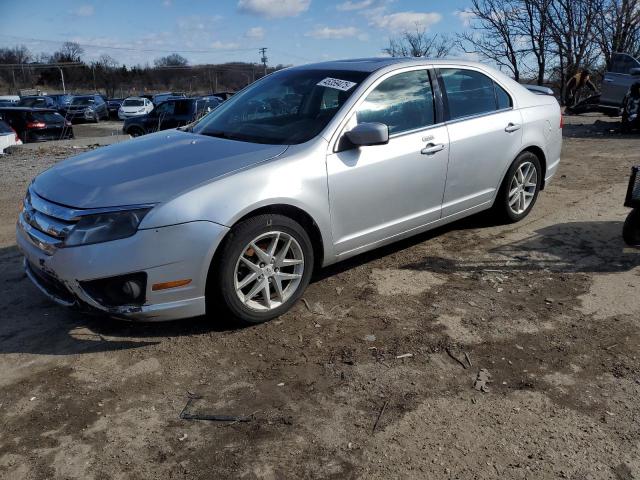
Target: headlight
x: 104, y: 227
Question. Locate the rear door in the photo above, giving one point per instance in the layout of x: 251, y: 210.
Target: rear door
x: 485, y: 135
x: 617, y: 81
x: 380, y: 191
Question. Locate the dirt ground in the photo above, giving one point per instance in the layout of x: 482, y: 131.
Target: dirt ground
x: 360, y: 380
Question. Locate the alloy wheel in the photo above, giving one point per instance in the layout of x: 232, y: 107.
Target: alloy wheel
x: 268, y: 271
x: 523, y: 187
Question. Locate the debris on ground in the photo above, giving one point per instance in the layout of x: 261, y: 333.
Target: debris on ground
x: 482, y: 381
x: 186, y: 414
x: 375, y: 425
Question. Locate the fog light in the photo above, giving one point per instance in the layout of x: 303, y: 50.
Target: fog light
x: 132, y: 289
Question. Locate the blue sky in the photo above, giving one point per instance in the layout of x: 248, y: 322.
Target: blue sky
x: 210, y: 31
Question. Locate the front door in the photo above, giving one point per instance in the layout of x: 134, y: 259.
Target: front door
x: 377, y: 192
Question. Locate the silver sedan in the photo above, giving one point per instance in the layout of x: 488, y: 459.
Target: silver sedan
x: 307, y: 167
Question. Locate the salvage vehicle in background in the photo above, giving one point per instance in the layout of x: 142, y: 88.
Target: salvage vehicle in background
x: 91, y: 108
x: 170, y: 114
x: 233, y: 213
x: 134, y: 107
x: 8, y: 136
x: 37, y: 124
x: 631, y: 229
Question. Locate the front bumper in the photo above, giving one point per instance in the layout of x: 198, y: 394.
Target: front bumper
x: 165, y: 254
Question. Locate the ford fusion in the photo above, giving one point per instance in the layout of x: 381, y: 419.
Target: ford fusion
x: 304, y: 168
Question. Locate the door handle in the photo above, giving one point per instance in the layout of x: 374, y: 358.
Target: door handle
x: 432, y: 148
x: 512, y: 127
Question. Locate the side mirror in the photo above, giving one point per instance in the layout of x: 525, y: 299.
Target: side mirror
x: 368, y: 134
x: 635, y: 71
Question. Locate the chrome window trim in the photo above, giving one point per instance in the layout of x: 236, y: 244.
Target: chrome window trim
x: 47, y: 224
x: 477, y: 115
x: 38, y: 239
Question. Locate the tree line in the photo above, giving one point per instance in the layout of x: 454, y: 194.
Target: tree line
x: 22, y: 69
x: 538, y: 41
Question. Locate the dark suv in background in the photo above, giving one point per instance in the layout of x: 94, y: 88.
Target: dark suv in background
x: 87, y: 107
x: 170, y: 114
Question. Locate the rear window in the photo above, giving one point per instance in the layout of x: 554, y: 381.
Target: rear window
x: 133, y: 103
x: 47, y: 117
x: 83, y: 101
x: 32, y: 102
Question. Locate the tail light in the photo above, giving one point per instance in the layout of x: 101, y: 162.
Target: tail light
x: 561, y: 121
x: 36, y: 125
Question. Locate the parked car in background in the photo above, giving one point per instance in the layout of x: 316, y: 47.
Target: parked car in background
x: 8, y: 136
x: 6, y: 103
x: 62, y: 100
x: 10, y: 98
x: 234, y: 213
x: 40, y: 101
x: 134, y: 107
x: 170, y: 114
x: 158, y: 98
x: 113, y: 105
x: 37, y: 124
x: 87, y: 107
x: 624, y: 71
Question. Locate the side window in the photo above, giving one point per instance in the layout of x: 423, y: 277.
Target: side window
x: 502, y: 97
x: 468, y: 92
x: 402, y: 102
x: 165, y: 108
x: 183, y: 107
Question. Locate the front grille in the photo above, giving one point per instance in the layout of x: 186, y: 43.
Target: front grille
x: 47, y: 224
x: 633, y: 193
x: 50, y: 284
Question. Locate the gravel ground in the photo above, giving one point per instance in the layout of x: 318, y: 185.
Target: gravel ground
x: 368, y: 377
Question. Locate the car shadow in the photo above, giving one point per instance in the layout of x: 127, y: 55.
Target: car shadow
x: 574, y: 247
x: 30, y: 323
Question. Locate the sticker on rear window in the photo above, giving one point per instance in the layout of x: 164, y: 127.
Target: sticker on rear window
x: 336, y: 83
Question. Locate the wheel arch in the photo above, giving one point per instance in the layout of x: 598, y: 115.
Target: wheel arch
x: 538, y: 152
x: 295, y: 213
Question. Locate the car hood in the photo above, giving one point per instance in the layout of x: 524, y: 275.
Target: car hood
x: 150, y: 169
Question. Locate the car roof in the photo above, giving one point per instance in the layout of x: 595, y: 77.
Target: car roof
x: 376, y: 63
x: 29, y: 109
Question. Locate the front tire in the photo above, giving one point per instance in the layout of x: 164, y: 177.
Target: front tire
x: 520, y: 188
x: 263, y: 267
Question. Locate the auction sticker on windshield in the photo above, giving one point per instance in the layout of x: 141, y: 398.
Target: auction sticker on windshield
x: 336, y: 83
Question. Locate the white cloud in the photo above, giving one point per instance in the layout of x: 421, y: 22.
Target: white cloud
x: 401, y: 21
x: 255, y: 32
x: 332, y: 33
x: 274, y: 8
x: 218, y: 45
x: 349, y: 5
x: 465, y: 16
x: 83, y: 11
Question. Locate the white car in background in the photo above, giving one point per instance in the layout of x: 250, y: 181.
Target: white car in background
x: 134, y: 107
x: 8, y: 137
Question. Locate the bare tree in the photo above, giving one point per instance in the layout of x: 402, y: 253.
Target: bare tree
x: 494, y: 33
x: 418, y: 43
x: 69, y: 52
x: 533, y: 27
x: 618, y: 28
x: 572, y: 27
x: 173, y: 60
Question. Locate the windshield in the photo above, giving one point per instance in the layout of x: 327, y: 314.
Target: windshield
x: 83, y: 101
x: 285, y: 108
x: 32, y: 102
x: 133, y: 103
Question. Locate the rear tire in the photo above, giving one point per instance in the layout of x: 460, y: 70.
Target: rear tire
x: 519, y: 190
x: 263, y: 267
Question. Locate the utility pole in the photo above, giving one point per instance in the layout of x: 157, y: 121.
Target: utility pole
x: 263, y: 59
x: 62, y: 77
